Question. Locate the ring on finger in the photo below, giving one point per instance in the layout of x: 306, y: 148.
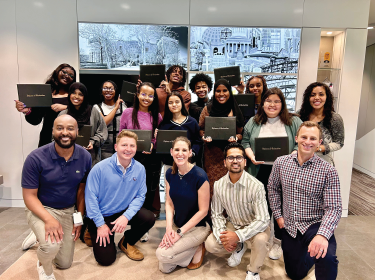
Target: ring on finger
x: 321, y: 250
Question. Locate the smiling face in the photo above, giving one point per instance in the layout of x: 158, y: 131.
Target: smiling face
x: 77, y: 98
x: 65, y: 76
x: 181, y: 153
x: 174, y: 104
x: 308, y: 140
x: 65, y: 131
x: 256, y: 86
x: 222, y: 94
x: 201, y: 89
x: 108, y: 91
x: 272, y: 106
x: 234, y: 166
x: 176, y: 76
x: 126, y: 148
x: 318, y: 98
x: 146, y: 96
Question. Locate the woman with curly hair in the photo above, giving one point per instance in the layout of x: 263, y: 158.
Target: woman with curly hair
x: 317, y: 106
x: 60, y: 80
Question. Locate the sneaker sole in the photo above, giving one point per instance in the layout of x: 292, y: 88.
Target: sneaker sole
x: 274, y: 258
x: 241, y: 257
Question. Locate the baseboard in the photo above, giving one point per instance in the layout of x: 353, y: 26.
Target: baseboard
x: 344, y: 213
x: 11, y: 202
x: 355, y: 166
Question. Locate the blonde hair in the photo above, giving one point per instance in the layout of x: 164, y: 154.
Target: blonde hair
x: 311, y: 124
x: 126, y: 133
x: 183, y: 139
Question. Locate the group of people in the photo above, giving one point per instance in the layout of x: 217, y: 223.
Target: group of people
x: 212, y: 203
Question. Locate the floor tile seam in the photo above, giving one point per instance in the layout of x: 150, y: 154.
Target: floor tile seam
x: 370, y: 266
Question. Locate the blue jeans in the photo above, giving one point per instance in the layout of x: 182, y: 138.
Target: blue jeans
x: 298, y: 261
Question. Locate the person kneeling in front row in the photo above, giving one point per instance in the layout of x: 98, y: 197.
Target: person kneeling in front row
x: 242, y: 196
x: 115, y: 192
x: 304, y: 194
x: 186, y: 206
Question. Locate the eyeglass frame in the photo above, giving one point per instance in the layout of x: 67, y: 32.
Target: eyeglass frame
x: 239, y: 159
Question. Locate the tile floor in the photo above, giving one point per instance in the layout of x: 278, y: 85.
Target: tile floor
x: 355, y: 250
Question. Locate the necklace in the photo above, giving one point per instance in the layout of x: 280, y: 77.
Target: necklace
x: 182, y: 175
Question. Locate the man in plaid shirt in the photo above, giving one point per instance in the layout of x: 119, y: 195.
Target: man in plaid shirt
x: 304, y: 193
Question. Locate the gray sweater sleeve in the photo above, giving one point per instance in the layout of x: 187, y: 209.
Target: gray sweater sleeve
x: 338, y: 134
x: 99, y: 130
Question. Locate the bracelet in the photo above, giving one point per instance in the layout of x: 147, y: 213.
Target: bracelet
x: 28, y: 112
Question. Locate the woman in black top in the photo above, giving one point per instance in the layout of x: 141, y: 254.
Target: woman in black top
x: 60, y: 80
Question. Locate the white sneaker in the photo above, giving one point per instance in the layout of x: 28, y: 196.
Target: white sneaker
x: 145, y: 237
x: 276, y: 252
x: 252, y: 276
x: 235, y: 258
x: 42, y: 274
x: 29, y: 241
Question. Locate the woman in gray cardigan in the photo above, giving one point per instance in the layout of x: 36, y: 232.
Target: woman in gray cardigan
x: 272, y: 120
x: 79, y: 109
x: 317, y: 106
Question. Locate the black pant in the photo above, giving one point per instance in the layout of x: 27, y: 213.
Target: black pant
x: 298, y: 261
x: 263, y: 175
x: 141, y: 223
x: 152, y: 164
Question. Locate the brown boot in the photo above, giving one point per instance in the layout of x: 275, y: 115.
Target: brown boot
x: 131, y: 251
x: 87, y: 238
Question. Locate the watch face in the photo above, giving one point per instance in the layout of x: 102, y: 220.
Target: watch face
x: 179, y: 231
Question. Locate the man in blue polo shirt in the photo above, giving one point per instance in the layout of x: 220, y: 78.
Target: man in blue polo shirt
x: 115, y: 192
x: 53, y: 182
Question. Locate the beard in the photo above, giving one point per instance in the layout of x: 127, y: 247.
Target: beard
x: 233, y: 170
x: 64, y: 146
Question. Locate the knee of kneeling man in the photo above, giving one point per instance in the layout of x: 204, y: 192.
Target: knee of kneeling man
x: 105, y: 261
x: 328, y: 259
x: 64, y: 264
x: 50, y: 248
x: 211, y: 245
x: 261, y: 238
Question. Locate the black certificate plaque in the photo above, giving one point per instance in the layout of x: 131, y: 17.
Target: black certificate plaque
x: 231, y: 74
x: 144, y: 139
x: 152, y: 73
x: 270, y: 148
x: 246, y: 102
x: 165, y: 139
x: 220, y: 128
x: 128, y: 91
x: 84, y: 134
x: 35, y: 95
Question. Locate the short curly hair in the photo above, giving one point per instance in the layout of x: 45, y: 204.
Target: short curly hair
x: 200, y: 77
x: 183, y: 71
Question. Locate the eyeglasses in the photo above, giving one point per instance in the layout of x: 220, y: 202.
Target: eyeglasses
x: 237, y: 158
x: 144, y: 95
x: 108, y: 89
x: 67, y: 74
x: 276, y: 102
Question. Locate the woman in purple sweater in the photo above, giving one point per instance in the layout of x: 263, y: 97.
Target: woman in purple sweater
x: 144, y: 115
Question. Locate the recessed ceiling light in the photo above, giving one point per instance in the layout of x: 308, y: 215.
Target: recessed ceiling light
x: 370, y: 27
x: 329, y: 33
x: 125, y: 6
x: 212, y: 9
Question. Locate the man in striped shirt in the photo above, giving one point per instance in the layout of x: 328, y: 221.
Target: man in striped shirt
x: 243, y: 198
x: 304, y: 194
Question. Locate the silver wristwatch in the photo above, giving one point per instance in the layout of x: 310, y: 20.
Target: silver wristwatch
x: 179, y: 232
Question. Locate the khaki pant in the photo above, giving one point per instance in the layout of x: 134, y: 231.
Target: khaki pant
x: 182, y: 252
x: 259, y: 247
x: 60, y: 254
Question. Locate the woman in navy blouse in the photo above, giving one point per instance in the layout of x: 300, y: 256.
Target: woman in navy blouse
x: 186, y: 207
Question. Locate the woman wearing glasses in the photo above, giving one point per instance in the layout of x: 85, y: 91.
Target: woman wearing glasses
x: 272, y: 120
x: 144, y: 115
x: 60, y: 80
x: 111, y: 109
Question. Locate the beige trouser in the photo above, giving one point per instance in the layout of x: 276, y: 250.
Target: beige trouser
x: 182, y: 252
x: 60, y: 254
x: 259, y: 247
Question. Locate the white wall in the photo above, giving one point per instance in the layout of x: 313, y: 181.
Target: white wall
x: 36, y: 36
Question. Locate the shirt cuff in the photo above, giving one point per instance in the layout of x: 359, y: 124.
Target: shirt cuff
x: 99, y: 221
x: 324, y: 232
x: 277, y: 214
x: 240, y: 237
